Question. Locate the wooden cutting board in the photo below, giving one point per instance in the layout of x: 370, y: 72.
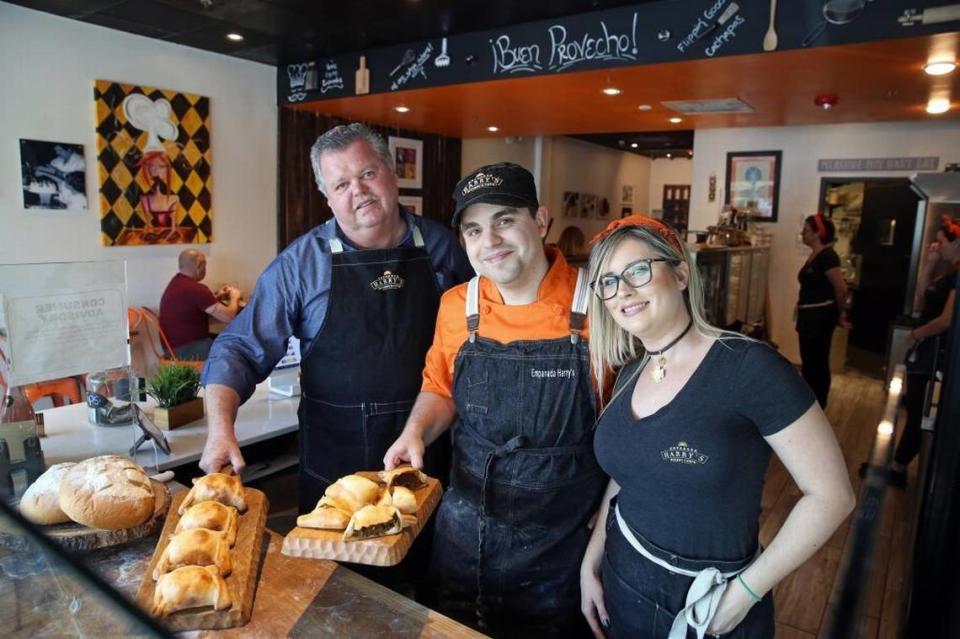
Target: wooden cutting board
x: 76, y: 537
x: 246, y: 556
x: 379, y: 551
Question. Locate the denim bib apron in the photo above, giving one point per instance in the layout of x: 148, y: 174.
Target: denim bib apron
x: 512, y: 528
x: 363, y: 371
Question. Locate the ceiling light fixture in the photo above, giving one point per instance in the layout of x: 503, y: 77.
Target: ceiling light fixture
x: 938, y: 105
x: 676, y: 120
x: 644, y: 107
x: 401, y: 109
x: 669, y: 156
x: 235, y: 37
x: 826, y: 101
x: 493, y: 129
x: 611, y: 91
x: 942, y: 67
x: 634, y: 145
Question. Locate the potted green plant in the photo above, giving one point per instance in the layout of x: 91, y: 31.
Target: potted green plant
x: 175, y: 388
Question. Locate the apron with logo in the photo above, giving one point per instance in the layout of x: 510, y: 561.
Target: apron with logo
x: 512, y: 528
x: 363, y: 371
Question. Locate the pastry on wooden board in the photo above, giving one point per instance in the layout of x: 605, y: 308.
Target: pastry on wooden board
x: 41, y: 502
x: 226, y: 489
x: 190, y: 587
x: 109, y: 492
x: 195, y: 547
x: 373, y: 521
x: 211, y: 515
x: 405, y: 476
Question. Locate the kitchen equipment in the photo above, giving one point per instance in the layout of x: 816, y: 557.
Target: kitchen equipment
x: 728, y: 13
x: 408, y: 57
x: 770, y: 39
x: 442, y: 60
x: 835, y: 12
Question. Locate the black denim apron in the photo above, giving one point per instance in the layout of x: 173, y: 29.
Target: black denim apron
x: 512, y: 527
x: 363, y: 371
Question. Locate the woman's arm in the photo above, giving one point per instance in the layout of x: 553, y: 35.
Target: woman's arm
x: 591, y: 588
x: 835, y: 276
x: 810, y: 453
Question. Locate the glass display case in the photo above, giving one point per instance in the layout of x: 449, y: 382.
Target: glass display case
x: 735, y: 285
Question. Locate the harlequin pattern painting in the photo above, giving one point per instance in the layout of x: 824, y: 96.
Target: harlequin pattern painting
x: 154, y: 164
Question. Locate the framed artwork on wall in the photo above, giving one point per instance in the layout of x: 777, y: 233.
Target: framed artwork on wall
x: 407, y: 157
x: 626, y: 194
x: 571, y: 204
x: 54, y: 175
x: 413, y: 203
x: 753, y: 182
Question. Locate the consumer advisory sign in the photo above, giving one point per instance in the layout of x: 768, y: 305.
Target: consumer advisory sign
x: 54, y: 329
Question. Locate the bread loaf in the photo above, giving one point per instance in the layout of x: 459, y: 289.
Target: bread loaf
x: 41, y: 503
x: 108, y: 492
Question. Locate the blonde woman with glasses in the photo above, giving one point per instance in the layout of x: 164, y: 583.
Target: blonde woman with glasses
x: 686, y: 439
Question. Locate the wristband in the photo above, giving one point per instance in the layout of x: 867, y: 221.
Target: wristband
x: 750, y: 592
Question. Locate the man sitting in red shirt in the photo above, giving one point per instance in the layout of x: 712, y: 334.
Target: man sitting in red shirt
x: 187, y: 304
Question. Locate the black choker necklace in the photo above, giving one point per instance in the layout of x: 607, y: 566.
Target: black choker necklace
x: 659, y: 369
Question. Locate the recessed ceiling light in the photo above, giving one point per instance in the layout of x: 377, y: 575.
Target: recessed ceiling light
x: 401, y: 109
x: 942, y: 67
x: 644, y: 107
x: 634, y: 145
x: 938, y: 105
x: 669, y: 156
x: 611, y: 91
x: 493, y: 129
x: 236, y: 37
x: 676, y: 120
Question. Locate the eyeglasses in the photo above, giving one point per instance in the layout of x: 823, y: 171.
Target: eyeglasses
x: 636, y: 274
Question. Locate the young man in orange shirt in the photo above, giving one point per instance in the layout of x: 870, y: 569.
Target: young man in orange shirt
x: 509, y: 370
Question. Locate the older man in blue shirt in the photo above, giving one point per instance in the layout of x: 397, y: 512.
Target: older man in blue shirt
x: 361, y: 292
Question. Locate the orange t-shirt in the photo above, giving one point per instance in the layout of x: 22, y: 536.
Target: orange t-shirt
x: 547, y: 318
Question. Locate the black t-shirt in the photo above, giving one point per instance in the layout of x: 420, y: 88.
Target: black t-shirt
x: 935, y: 297
x: 814, y: 285
x: 691, y: 475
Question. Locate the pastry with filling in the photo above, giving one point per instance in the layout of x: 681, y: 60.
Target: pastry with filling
x: 405, y: 476
x: 373, y: 521
x: 331, y: 513
x: 355, y: 490
x: 195, y: 547
x: 403, y: 499
x: 211, y: 515
x: 190, y: 587
x: 225, y: 489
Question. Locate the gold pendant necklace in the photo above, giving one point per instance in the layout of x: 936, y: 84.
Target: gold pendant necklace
x: 659, y: 371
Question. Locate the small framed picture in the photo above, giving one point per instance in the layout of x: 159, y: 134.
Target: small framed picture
x: 753, y: 182
x: 571, y: 204
x: 626, y: 194
x: 54, y: 175
x: 413, y: 203
x: 407, y: 156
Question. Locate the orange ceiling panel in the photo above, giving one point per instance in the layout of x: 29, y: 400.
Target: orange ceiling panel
x: 879, y: 81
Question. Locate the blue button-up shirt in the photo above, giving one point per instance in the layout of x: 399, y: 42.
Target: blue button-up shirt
x: 291, y: 298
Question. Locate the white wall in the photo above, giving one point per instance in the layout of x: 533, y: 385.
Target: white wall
x: 49, y: 65
x: 664, y: 171
x: 477, y: 152
x: 800, y: 185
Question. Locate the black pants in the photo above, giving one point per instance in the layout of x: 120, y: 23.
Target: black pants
x: 909, y: 444
x: 815, y: 360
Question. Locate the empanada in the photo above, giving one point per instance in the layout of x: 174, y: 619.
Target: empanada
x: 354, y: 489
x: 404, y: 500
x: 190, y: 587
x: 373, y: 521
x: 226, y: 489
x: 195, y: 547
x: 405, y: 476
x: 211, y: 515
x: 325, y: 517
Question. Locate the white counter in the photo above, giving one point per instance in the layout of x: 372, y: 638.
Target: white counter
x: 70, y: 437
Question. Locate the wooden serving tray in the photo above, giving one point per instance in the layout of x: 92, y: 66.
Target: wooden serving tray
x: 79, y: 538
x: 379, y: 551
x: 242, y: 581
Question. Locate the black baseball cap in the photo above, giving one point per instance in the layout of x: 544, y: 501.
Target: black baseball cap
x: 503, y: 183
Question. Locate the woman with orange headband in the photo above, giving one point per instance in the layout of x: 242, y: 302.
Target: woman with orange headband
x: 822, y: 304
x: 686, y: 441
x: 927, y: 353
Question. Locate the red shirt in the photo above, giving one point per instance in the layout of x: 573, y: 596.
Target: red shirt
x: 183, y: 314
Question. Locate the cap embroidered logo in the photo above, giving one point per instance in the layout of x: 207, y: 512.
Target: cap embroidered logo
x: 481, y: 181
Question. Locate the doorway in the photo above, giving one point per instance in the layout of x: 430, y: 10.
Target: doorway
x: 874, y: 218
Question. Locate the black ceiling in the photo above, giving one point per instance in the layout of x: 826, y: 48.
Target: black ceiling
x: 283, y: 31
x: 657, y: 144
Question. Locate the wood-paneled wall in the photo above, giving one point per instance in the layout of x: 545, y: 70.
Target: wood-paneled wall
x: 301, y: 206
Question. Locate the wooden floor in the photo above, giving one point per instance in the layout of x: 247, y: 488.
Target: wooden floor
x: 805, y: 599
